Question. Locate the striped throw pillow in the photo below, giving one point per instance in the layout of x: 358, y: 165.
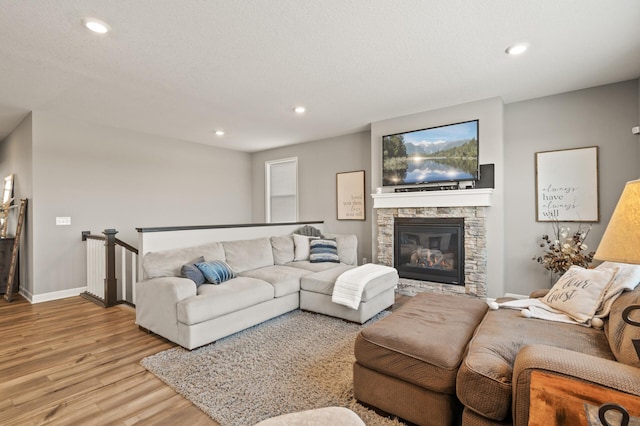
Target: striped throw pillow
x: 216, y: 271
x: 323, y: 251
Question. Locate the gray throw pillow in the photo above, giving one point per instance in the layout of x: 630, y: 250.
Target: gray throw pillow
x: 309, y: 231
x: 190, y: 271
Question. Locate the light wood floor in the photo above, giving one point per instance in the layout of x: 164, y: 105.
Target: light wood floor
x: 73, y: 362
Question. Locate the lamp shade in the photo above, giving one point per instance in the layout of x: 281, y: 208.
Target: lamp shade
x: 621, y: 239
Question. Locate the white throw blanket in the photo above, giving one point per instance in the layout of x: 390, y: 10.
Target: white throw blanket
x: 534, y: 308
x: 627, y: 278
x: 350, y: 284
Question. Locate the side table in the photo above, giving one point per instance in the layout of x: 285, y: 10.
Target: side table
x: 558, y: 400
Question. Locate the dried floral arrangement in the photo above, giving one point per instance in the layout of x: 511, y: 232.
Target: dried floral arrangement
x: 563, y: 249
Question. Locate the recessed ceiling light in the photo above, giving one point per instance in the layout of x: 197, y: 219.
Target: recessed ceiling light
x: 299, y: 110
x: 517, y: 49
x: 220, y: 132
x: 96, y: 25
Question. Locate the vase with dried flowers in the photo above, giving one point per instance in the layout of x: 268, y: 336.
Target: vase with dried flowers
x: 562, y: 249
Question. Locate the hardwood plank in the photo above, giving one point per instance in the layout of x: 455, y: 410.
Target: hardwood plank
x: 70, y: 361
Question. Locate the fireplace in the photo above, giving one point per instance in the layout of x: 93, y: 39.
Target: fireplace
x: 430, y: 249
x: 469, y: 206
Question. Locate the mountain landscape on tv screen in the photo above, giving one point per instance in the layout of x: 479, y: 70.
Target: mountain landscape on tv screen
x: 415, y: 163
x: 432, y: 148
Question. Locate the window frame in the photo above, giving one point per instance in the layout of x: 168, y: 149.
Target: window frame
x: 268, y: 198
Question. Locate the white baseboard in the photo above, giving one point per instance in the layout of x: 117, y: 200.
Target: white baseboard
x: 54, y: 295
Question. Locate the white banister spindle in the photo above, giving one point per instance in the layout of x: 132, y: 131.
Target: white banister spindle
x: 134, y: 278
x: 97, y: 264
x: 90, y: 265
x: 95, y: 267
x: 95, y: 270
x: 102, y: 263
x: 123, y: 272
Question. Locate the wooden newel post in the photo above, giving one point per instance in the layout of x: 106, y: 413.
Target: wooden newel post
x: 110, y: 281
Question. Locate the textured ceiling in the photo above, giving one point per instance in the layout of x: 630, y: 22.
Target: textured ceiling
x: 183, y: 69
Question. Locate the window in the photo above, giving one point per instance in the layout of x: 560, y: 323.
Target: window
x: 281, y: 179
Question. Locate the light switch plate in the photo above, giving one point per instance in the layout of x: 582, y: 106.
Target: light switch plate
x: 63, y: 221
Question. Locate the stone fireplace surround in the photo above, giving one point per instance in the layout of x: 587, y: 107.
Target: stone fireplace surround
x: 470, y: 204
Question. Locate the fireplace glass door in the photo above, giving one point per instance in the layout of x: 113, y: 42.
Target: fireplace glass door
x: 430, y: 249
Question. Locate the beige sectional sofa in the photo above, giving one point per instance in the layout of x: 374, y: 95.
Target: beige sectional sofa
x: 271, y: 273
x: 442, y: 360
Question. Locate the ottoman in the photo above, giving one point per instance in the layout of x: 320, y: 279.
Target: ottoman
x: 316, y: 291
x: 406, y: 364
x: 318, y: 417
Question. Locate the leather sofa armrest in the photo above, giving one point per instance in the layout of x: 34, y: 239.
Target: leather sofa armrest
x: 156, y: 303
x: 536, y: 294
x: 569, y: 364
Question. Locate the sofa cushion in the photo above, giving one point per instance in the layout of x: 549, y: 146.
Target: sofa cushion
x: 323, y: 282
x: 579, y: 292
x: 323, y: 251
x: 423, y: 342
x: 484, y: 378
x: 282, y: 247
x: 244, y: 255
x: 284, y: 279
x: 191, y: 271
x: 213, y: 301
x: 620, y: 334
x: 347, y: 248
x: 216, y: 271
x: 313, y: 267
x: 168, y: 263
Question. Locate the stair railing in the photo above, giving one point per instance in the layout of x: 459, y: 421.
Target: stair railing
x: 103, y: 273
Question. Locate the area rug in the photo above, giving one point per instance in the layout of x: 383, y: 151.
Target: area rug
x: 295, y: 362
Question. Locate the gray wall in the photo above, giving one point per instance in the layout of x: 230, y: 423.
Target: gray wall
x: 490, y: 114
x: 318, y: 163
x: 16, y: 159
x: 601, y: 116
x: 110, y: 178
x: 104, y: 177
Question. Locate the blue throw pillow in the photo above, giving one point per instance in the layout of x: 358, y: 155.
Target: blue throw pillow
x: 192, y: 272
x: 323, y: 251
x: 216, y: 271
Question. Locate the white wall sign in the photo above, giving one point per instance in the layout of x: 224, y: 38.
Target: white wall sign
x: 350, y: 195
x: 567, y: 185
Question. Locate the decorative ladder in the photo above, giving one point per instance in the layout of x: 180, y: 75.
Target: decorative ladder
x: 8, y: 295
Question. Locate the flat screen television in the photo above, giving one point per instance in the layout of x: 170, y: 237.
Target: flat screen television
x: 438, y: 154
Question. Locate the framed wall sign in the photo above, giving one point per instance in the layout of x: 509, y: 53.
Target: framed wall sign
x: 350, y: 195
x: 567, y: 185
